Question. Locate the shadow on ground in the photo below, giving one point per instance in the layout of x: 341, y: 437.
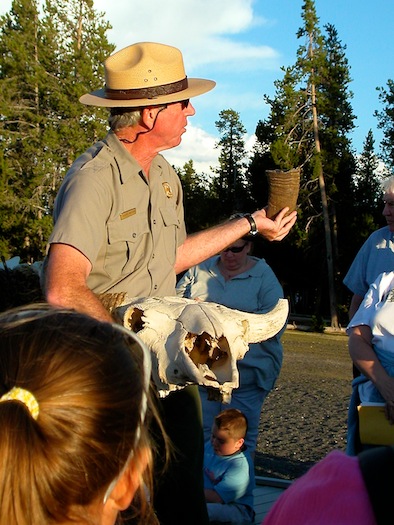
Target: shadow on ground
x: 282, y: 468
x: 305, y: 416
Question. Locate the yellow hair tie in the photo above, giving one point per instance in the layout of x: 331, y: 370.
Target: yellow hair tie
x: 25, y: 397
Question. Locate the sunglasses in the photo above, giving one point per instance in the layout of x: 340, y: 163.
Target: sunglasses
x: 184, y: 104
x: 235, y: 249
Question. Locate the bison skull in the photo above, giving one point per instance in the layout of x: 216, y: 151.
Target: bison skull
x: 194, y: 342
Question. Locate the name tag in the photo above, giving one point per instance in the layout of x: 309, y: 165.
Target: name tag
x: 128, y: 213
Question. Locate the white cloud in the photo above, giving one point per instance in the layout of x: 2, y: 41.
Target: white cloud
x: 198, y: 145
x: 215, y: 40
x: 179, y: 19
x: 250, y: 143
x: 203, y: 29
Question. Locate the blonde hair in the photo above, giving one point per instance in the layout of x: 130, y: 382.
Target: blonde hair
x: 90, y: 381
x: 232, y: 421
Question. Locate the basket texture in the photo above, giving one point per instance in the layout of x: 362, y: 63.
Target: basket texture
x: 283, y: 188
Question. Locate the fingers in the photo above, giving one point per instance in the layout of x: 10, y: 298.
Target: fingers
x: 280, y: 215
x: 277, y: 229
x: 389, y: 411
x: 282, y: 218
x: 388, y: 394
x: 286, y: 224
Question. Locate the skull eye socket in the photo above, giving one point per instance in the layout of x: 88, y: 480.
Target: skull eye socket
x: 205, y: 350
x: 135, y: 320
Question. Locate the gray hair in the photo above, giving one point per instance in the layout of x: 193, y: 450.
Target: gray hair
x: 120, y: 118
x: 388, y: 185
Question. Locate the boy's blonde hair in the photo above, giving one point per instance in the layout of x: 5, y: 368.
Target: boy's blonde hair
x: 232, y: 421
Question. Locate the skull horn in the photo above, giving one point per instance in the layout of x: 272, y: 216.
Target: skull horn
x: 264, y: 326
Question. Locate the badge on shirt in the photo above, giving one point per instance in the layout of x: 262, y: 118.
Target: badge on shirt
x: 167, y: 190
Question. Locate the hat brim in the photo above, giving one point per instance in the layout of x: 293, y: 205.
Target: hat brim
x: 196, y: 86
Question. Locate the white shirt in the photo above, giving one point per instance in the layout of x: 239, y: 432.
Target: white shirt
x: 377, y: 312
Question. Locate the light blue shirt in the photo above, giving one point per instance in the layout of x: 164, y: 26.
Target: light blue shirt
x: 256, y: 290
x: 376, y: 256
x: 232, y: 477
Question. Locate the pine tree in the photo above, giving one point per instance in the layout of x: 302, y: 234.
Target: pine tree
x: 310, y: 117
x: 231, y: 182
x: 367, y: 193
x: 336, y: 121
x: 46, y: 64
x: 386, y: 123
x: 199, y: 199
x: 21, y: 77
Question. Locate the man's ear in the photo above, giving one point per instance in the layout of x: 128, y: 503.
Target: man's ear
x: 129, y: 481
x: 149, y: 115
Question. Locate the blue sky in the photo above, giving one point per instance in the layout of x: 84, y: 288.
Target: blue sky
x: 241, y: 44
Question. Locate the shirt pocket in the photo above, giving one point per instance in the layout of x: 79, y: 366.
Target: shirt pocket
x: 126, y: 244
x: 171, y: 227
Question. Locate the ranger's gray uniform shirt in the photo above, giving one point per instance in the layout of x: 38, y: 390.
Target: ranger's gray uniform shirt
x: 129, y: 227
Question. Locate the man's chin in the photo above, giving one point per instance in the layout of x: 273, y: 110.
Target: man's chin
x: 174, y: 144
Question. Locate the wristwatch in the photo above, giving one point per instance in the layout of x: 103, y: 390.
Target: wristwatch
x: 253, y: 228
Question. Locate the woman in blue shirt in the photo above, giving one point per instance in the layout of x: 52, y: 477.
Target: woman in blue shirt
x: 236, y: 279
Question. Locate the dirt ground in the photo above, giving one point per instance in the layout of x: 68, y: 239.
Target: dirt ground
x: 304, y: 417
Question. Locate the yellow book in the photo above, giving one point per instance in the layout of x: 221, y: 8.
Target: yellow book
x: 375, y: 429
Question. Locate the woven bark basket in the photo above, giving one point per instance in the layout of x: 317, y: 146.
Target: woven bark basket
x: 283, y: 188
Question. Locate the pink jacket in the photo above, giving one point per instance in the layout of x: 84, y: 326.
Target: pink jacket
x: 332, y: 492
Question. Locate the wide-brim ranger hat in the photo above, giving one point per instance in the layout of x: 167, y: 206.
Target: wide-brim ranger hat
x: 146, y: 74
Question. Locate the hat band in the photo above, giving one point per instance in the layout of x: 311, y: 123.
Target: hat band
x: 148, y: 92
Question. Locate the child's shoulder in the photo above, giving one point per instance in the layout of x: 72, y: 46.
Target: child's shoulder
x: 242, y: 456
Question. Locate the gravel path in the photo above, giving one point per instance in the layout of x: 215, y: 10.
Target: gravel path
x: 304, y: 417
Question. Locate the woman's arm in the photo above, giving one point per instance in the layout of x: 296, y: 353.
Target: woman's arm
x: 365, y: 359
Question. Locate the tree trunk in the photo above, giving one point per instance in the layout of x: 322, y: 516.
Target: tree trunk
x: 327, y: 229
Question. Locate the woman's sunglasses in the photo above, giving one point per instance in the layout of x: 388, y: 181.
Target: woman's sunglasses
x: 235, y: 249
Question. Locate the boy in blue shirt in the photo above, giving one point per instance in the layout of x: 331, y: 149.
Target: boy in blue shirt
x: 229, y: 471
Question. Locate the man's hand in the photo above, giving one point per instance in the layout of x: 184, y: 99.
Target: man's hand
x: 276, y: 229
x: 200, y: 245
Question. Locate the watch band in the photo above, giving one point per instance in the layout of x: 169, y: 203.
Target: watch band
x: 253, y: 227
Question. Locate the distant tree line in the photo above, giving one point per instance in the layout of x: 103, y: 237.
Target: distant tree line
x: 47, y: 61
x: 49, y: 58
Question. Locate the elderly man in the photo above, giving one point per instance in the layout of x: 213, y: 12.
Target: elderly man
x: 376, y: 255
x: 119, y: 227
